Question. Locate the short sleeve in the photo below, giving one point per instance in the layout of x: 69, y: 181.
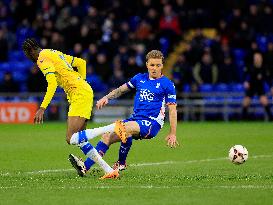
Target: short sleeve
x: 132, y: 83
x: 170, y: 94
x: 69, y: 59
x: 46, y: 66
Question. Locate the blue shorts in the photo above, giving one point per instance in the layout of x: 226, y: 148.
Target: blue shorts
x: 148, y: 128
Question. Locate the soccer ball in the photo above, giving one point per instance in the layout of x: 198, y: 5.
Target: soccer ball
x: 238, y: 154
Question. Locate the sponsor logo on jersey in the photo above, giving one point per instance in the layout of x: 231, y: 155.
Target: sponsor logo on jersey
x: 172, y: 96
x: 146, y: 95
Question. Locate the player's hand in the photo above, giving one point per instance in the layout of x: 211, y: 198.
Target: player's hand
x: 102, y: 102
x: 39, y: 116
x: 172, y: 141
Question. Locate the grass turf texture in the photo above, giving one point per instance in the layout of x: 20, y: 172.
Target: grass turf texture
x: 195, y: 173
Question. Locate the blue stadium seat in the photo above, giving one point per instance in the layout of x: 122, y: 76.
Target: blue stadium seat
x: 206, y: 88
x: 186, y: 88
x: 5, y: 67
x: 96, y: 83
x: 16, y: 55
x: 240, y: 65
x: 237, y: 87
x: 19, y: 76
x: 239, y: 57
x: 134, y: 22
x: 59, y: 90
x: 32, y: 99
x: 164, y: 45
x: 222, y: 87
x: 235, y: 104
x: 19, y: 66
x: 262, y: 42
x: 208, y: 42
x: 213, y: 103
x: 266, y: 87
x: 239, y: 54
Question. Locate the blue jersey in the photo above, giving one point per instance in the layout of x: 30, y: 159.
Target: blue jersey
x: 151, y: 96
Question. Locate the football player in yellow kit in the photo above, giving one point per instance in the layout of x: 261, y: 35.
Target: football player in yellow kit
x: 58, y: 70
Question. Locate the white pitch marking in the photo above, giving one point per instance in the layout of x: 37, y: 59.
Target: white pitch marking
x: 154, y: 187
x: 135, y: 165
x: 49, y: 171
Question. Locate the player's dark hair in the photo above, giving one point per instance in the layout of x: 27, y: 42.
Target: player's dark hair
x: 30, y: 45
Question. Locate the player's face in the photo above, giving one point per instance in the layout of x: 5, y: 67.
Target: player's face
x: 155, y: 67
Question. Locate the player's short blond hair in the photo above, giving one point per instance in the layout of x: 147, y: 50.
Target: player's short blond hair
x: 155, y: 54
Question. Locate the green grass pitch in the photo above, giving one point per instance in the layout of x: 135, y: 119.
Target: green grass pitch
x: 34, y: 168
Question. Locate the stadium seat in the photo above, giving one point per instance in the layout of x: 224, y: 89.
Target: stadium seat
x: 59, y: 90
x: 32, y: 99
x: 237, y: 87
x: 206, y: 88
x: 213, y: 108
x: 96, y: 83
x: 19, y: 76
x: 186, y: 88
x: 266, y: 87
x: 234, y: 107
x: 5, y: 67
x: 16, y: 55
x: 134, y: 22
x: 19, y: 66
x: 164, y: 45
x: 239, y: 54
x: 262, y: 42
x: 222, y: 87
x: 208, y: 42
x: 240, y: 65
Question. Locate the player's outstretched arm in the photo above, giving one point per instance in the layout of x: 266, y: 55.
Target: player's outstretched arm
x: 51, y: 88
x: 171, y: 137
x: 112, y: 95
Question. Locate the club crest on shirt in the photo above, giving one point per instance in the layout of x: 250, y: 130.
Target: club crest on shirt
x: 157, y: 85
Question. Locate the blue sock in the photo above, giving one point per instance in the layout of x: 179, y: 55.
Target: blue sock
x: 124, y: 150
x: 102, y: 149
x: 86, y: 148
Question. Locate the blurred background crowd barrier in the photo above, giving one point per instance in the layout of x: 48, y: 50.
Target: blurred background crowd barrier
x: 208, y: 47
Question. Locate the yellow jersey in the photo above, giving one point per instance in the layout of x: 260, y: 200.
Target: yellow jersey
x: 58, y: 70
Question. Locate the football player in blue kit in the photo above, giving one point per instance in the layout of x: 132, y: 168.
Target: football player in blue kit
x: 153, y: 92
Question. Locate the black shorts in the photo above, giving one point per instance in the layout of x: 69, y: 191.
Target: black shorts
x: 255, y: 90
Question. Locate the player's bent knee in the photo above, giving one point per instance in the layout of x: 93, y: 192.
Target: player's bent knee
x: 109, y: 139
